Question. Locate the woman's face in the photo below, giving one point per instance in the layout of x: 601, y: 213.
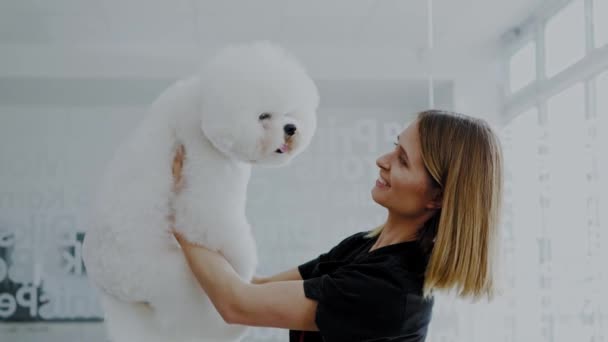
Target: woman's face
x: 404, y: 186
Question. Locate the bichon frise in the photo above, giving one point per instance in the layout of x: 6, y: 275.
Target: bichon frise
x: 250, y: 104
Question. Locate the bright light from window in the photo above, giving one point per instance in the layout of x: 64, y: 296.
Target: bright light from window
x: 600, y: 22
x: 522, y: 67
x: 602, y: 95
x: 565, y: 38
x: 568, y: 164
x: 522, y: 138
x: 601, y: 143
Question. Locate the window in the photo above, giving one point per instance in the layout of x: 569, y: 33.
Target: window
x: 600, y: 22
x: 524, y: 221
x: 565, y: 38
x: 602, y: 172
x: 569, y: 193
x: 522, y: 67
x: 566, y: 137
x: 568, y: 164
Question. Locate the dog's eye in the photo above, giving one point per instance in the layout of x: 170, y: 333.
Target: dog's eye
x: 264, y: 116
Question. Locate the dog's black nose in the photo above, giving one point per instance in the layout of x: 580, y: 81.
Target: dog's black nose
x: 290, y: 129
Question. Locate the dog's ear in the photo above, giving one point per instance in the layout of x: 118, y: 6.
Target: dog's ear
x: 178, y: 163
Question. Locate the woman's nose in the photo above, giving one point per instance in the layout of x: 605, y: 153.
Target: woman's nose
x: 383, y: 162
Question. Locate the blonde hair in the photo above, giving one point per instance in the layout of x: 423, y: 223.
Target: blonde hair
x: 463, y: 156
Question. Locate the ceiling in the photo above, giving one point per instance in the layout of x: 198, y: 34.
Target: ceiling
x: 331, y: 23
x: 335, y: 39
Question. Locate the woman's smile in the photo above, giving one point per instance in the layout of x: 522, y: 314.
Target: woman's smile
x: 381, y: 183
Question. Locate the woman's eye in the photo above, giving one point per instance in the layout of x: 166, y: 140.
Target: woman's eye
x: 265, y: 116
x: 400, y: 159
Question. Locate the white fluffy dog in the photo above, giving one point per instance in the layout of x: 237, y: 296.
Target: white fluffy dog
x: 251, y: 104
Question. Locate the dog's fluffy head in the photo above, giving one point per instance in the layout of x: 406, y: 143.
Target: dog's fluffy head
x: 258, y: 104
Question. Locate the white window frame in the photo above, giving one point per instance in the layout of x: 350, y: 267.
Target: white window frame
x: 538, y: 91
x: 586, y: 71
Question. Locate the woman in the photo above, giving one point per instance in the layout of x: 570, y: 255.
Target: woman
x: 442, y: 187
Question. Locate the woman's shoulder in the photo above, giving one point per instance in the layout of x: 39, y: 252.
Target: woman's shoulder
x: 356, y: 237
x: 359, y: 235
x: 352, y: 241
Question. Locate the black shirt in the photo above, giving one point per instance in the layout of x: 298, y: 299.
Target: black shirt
x: 367, y: 296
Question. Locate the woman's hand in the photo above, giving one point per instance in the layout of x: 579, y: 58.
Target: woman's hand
x: 281, y: 304
x: 178, y: 163
x: 178, y: 182
x: 180, y: 238
x: 188, y: 247
x: 212, y: 271
x: 258, y: 280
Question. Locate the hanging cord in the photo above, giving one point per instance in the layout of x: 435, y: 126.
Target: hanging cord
x: 430, y: 43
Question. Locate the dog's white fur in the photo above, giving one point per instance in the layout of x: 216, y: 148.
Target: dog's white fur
x: 148, y: 292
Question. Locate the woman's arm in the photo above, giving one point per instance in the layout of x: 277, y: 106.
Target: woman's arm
x: 292, y: 274
x: 279, y: 304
